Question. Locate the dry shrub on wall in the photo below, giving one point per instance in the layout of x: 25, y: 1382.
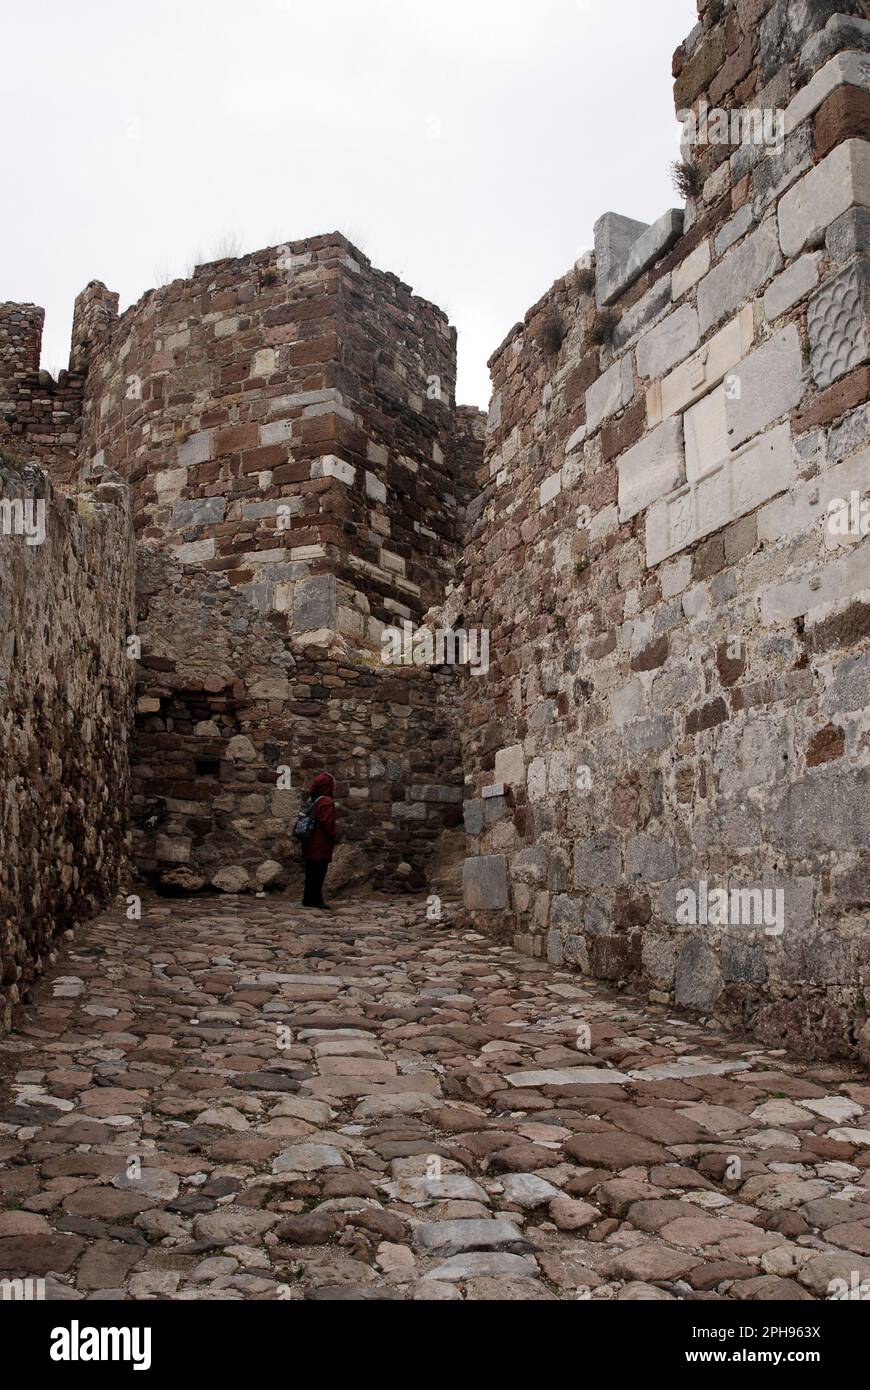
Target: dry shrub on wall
x: 550, y: 333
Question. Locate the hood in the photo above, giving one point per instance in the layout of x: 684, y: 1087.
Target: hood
x: 322, y: 785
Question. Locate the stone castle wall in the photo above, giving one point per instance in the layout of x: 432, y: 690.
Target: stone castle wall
x: 66, y: 681
x: 66, y: 698
x: 680, y: 641
x: 287, y: 424
x: 679, y: 625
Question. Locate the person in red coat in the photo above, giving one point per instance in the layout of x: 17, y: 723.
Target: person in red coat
x: 317, y: 849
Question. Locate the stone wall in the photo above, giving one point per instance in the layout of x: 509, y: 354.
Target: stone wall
x: 287, y: 424
x: 680, y: 629
x: 66, y: 690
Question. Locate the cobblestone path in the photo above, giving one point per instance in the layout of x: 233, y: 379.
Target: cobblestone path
x: 236, y: 1099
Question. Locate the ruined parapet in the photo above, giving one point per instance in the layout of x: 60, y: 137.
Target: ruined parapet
x: 21, y: 328
x: 287, y: 423
x: 668, y: 761
x: 39, y: 417
x: 94, y: 317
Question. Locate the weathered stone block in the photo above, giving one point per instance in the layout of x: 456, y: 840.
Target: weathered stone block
x: 691, y: 270
x: 314, y: 603
x: 703, y: 370
x: 510, y: 765
x: 833, y: 583
x: 658, y: 956
x: 169, y: 484
x: 844, y: 116
x: 670, y: 342
x: 276, y: 432
x: 651, y: 468
x: 485, y: 883
x: 736, y: 278
x: 650, y: 859
x: 330, y: 466
x: 769, y: 383
x: 849, y: 236
x: 648, y: 309
x: 824, y: 809
x: 787, y: 25
x: 791, y: 286
x: 614, y: 237
x: 649, y: 246
x: 806, y: 506
x: 842, y: 31
x: 742, y: 957
x: 554, y: 947
x: 550, y: 489
x: 844, y: 68
x: 706, y: 435
x: 198, y: 511
x: 597, y: 862
x: 530, y: 865
x: 732, y: 230
x: 613, y: 389
x: 705, y: 61
x: 850, y: 688
x: 840, y: 182
x: 853, y: 432
x: 566, y: 911
x: 756, y: 472
x: 195, y: 449
x: 194, y: 552
x: 698, y: 980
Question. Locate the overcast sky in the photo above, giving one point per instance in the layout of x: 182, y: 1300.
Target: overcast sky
x: 467, y: 145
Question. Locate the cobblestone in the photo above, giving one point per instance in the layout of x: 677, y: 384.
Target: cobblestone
x: 241, y: 1100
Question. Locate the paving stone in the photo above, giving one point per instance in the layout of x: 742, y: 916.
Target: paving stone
x: 479, y: 1263
x: 632, y: 1142
x: 455, y: 1237
x: 37, y: 1254
x: 649, y: 1262
x: 308, y: 1158
x: 106, y: 1265
x: 571, y: 1215
x: 527, y: 1190
x: 614, y: 1150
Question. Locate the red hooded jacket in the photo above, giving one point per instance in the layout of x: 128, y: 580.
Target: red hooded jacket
x: 319, y: 845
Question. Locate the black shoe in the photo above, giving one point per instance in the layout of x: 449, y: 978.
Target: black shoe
x: 324, y: 907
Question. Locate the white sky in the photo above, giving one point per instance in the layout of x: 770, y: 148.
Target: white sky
x: 466, y: 145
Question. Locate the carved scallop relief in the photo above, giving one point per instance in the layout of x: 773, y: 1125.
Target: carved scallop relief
x: 837, y: 321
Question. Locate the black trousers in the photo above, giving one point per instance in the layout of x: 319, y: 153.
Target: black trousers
x: 315, y: 873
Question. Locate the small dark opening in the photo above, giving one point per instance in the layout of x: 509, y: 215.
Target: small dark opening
x: 208, y: 767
